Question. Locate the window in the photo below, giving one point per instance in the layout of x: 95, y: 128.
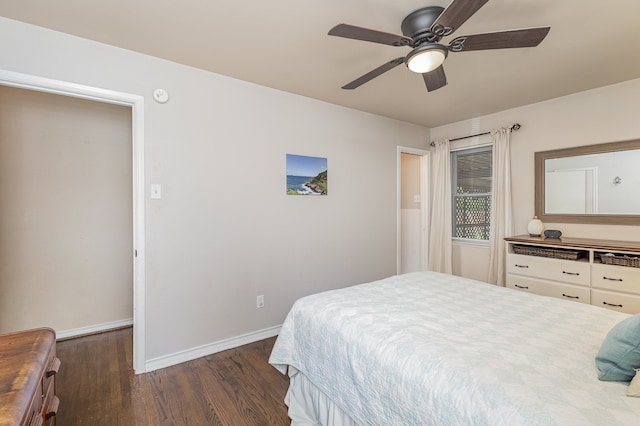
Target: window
x: 471, y: 179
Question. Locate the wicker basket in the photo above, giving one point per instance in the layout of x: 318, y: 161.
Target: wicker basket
x: 549, y: 252
x: 620, y: 260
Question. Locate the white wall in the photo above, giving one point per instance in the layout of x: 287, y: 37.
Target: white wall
x: 607, y: 114
x: 225, y: 231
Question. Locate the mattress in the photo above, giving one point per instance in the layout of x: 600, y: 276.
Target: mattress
x: 433, y: 349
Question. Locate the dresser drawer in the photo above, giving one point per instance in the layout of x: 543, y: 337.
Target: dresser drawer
x: 620, y: 302
x: 29, y: 367
x: 35, y: 409
x: 618, y: 278
x: 566, y: 271
x: 544, y: 288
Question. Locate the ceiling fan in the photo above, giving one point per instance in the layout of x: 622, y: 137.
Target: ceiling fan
x: 423, y: 30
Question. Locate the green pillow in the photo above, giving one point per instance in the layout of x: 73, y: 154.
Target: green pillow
x: 619, y: 354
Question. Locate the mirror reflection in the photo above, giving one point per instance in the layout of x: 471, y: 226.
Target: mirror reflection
x: 606, y: 183
x: 589, y: 184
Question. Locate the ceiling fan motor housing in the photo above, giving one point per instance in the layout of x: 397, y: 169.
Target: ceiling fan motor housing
x: 417, y: 25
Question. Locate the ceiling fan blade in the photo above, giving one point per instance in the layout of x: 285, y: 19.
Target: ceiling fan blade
x: 373, y: 74
x: 529, y: 37
x: 365, y: 34
x: 435, y: 79
x: 455, y: 15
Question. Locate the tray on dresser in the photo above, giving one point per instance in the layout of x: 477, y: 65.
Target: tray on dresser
x: 555, y: 253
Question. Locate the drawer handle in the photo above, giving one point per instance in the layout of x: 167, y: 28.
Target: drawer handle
x: 52, y: 409
x: 521, y: 266
x: 613, y: 279
x: 571, y: 297
x: 521, y: 286
x: 571, y: 273
x: 53, y: 368
x: 611, y: 304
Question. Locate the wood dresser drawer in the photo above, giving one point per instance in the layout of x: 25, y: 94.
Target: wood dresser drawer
x: 28, y: 366
x: 627, y: 303
x: 575, y: 293
x: 35, y: 409
x: 566, y: 271
x: 617, y: 278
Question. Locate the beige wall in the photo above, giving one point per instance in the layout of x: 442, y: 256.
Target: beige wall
x: 65, y: 204
x: 225, y: 231
x: 606, y: 114
x: 410, y: 180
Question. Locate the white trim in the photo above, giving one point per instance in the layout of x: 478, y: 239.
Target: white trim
x: 414, y: 151
x: 470, y: 243
x: 136, y: 102
x: 464, y: 148
x: 64, y: 88
x: 424, y: 204
x: 91, y: 329
x: 398, y: 210
x: 211, y: 348
x: 425, y: 208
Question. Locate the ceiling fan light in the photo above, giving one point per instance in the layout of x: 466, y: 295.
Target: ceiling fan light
x: 426, y: 58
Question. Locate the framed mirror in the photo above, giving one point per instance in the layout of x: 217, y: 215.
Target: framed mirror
x: 589, y: 184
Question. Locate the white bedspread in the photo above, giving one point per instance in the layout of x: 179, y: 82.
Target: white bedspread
x: 434, y: 349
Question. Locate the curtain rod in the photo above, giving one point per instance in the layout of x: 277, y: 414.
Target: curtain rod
x: 512, y: 128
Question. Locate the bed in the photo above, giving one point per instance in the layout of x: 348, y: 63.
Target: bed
x: 434, y: 349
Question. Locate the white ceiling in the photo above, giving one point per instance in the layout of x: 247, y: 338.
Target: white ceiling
x: 284, y: 44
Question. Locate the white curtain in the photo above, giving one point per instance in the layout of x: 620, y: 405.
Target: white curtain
x: 501, y: 212
x: 440, y: 218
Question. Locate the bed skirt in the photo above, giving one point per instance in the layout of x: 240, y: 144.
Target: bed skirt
x: 308, y: 406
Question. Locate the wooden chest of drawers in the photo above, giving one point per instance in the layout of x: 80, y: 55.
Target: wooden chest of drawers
x: 28, y: 365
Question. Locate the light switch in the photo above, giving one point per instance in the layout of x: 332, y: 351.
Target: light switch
x: 416, y: 198
x: 156, y: 191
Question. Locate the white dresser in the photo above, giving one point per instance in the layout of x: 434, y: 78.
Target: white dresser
x: 603, y: 273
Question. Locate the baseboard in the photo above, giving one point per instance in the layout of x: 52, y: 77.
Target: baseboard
x: 93, y: 329
x: 211, y: 348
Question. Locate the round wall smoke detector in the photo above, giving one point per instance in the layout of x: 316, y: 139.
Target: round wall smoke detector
x: 161, y: 96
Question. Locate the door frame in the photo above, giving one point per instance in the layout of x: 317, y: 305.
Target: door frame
x: 136, y: 102
x: 424, y: 205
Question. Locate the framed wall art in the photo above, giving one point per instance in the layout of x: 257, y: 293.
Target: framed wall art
x: 306, y: 175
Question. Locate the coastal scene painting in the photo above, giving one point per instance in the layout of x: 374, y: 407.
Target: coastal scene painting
x: 306, y: 175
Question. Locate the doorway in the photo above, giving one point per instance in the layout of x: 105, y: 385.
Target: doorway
x: 135, y: 104
x: 413, y: 210
x: 66, y: 229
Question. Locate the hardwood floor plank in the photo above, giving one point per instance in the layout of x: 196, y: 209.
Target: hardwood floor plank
x: 235, y: 389
x: 259, y: 386
x: 96, y: 386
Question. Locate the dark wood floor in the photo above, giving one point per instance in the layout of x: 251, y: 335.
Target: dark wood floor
x: 96, y: 386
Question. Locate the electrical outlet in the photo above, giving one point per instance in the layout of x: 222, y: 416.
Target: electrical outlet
x: 260, y: 301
